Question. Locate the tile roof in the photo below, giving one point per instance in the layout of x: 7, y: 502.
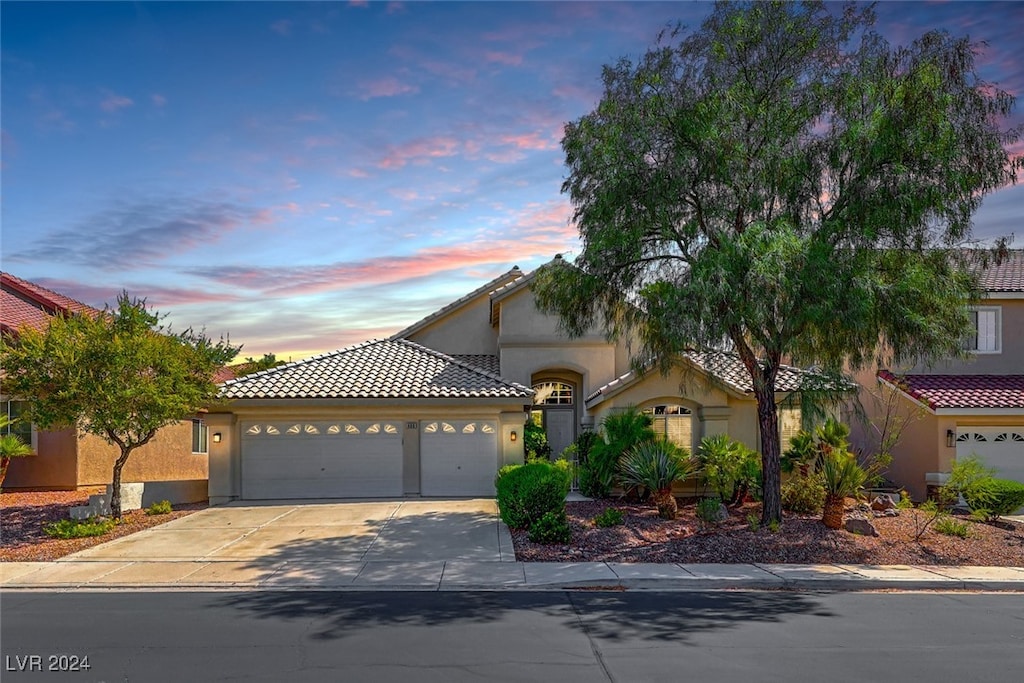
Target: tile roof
x: 485, y: 362
x: 499, y: 281
x: 961, y: 391
x: 728, y: 369
x: 387, y: 368
x: 26, y: 303
x: 1007, y: 276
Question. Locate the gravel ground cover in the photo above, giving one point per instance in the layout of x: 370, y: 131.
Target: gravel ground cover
x: 643, y: 537
x: 23, y: 514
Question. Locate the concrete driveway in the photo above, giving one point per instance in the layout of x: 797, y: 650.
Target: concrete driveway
x: 274, y: 533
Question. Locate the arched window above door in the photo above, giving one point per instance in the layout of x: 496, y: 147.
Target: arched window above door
x: 553, y: 394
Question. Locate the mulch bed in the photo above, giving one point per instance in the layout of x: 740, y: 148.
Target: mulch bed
x: 643, y: 537
x: 23, y: 514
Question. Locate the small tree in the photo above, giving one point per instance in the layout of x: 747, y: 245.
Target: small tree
x: 119, y: 375
x: 252, y: 365
x: 11, y: 446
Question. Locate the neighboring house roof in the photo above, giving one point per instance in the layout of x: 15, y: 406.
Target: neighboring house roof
x: 724, y: 367
x: 960, y: 391
x: 25, y: 303
x: 459, y: 303
x: 1006, y: 276
x: 387, y: 368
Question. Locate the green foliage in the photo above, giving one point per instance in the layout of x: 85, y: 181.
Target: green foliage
x: 11, y: 446
x: 841, y: 475
x: 772, y: 179
x: 621, y: 432
x: 952, y: 527
x: 905, y: 502
x: 774, y: 526
x: 253, y: 365
x: 552, y: 528
x: 525, y: 493
x: 161, y: 508
x: 655, y: 465
x: 609, y: 517
x: 993, y: 498
x: 535, y: 442
x: 707, y: 510
x: 120, y: 375
x: 728, y: 467
x: 753, y: 522
x: 802, y: 452
x: 803, y: 494
x: 79, y: 528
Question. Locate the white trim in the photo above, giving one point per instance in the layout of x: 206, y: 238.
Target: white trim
x: 978, y: 411
x: 996, y: 331
x: 996, y: 295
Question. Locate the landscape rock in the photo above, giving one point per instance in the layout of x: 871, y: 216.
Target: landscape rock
x: 861, y: 527
x: 882, y: 503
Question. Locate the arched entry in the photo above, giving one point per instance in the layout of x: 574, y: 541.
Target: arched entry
x: 554, y: 409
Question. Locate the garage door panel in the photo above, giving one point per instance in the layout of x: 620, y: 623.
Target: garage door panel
x: 321, y: 460
x: 1001, y: 448
x: 458, y: 458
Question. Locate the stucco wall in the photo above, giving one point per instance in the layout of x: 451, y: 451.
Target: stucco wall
x: 467, y: 330
x: 168, y: 457
x: 1009, y: 361
x: 53, y: 466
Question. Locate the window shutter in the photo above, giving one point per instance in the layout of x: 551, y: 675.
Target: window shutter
x: 986, y: 331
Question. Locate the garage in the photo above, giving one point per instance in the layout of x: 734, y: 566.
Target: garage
x: 326, y: 459
x: 458, y: 457
x: 1001, y: 448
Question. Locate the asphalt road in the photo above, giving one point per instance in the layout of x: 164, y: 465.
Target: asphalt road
x: 556, y: 636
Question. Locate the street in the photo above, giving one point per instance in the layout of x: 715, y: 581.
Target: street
x: 516, y: 636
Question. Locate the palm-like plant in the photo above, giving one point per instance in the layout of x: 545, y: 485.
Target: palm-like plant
x: 656, y: 465
x: 842, y: 477
x: 10, y: 447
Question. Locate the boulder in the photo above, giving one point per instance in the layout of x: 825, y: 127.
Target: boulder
x: 883, y: 502
x: 861, y: 527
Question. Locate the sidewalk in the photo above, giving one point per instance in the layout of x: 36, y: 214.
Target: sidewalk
x: 500, y: 576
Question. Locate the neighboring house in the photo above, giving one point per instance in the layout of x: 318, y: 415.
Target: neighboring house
x: 960, y: 407
x: 437, y: 408
x: 68, y: 459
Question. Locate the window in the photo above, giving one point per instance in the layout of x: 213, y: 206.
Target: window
x: 674, y: 422
x: 552, y: 394
x: 18, y: 426
x: 790, y: 423
x: 199, y: 437
x: 987, y: 323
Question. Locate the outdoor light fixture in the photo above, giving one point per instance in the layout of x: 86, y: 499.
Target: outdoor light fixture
x: 514, y: 436
x: 216, y: 437
x: 950, y: 438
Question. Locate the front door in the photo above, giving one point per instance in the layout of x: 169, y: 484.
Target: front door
x: 559, y: 424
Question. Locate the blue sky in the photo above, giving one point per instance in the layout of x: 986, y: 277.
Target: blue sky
x: 307, y: 176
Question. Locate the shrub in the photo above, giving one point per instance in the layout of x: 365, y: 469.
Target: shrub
x: 526, y: 493
x: 656, y: 465
x: 707, y: 510
x: 161, y: 508
x: 608, y: 518
x: 535, y: 442
x: 553, y: 527
x: 622, y: 432
x: 79, y: 528
x: 753, y: 522
x: 841, y: 477
x: 728, y: 467
x: 952, y: 527
x: 803, y: 494
x: 994, y: 498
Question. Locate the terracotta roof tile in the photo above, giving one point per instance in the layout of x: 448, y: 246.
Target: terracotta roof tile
x: 375, y: 369
x: 26, y: 303
x: 961, y: 391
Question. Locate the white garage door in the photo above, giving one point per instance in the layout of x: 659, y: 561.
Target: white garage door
x: 458, y: 458
x: 341, y: 459
x: 999, y: 447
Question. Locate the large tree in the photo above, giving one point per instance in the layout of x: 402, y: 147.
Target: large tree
x: 785, y: 184
x: 119, y: 375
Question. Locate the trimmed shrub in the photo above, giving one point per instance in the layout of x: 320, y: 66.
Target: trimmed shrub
x: 953, y: 527
x: 995, y: 497
x: 535, y: 442
x: 161, y: 508
x: 553, y: 527
x: 728, y: 467
x: 804, y: 495
x: 79, y: 528
x: 526, y: 493
x: 708, y: 510
x: 608, y: 518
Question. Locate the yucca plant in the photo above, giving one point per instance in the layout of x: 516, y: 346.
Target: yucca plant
x: 842, y: 477
x: 656, y: 465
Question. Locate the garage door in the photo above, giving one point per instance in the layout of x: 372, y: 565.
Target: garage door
x: 458, y: 458
x: 321, y: 459
x: 1000, y: 447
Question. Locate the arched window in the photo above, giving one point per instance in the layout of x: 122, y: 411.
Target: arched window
x: 673, y: 421
x: 552, y: 394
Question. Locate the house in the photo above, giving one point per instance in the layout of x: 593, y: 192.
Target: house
x: 438, y: 407
x: 960, y: 407
x: 69, y: 459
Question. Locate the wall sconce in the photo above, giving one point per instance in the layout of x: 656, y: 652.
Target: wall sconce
x: 216, y: 437
x: 950, y: 438
x: 514, y: 436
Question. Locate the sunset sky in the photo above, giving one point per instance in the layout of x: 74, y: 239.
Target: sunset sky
x: 308, y: 176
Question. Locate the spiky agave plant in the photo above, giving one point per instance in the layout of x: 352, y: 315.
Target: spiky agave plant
x: 842, y: 477
x: 656, y: 465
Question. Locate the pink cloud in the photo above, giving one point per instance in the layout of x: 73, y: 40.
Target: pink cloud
x: 357, y: 173
x: 533, y: 141
x: 385, y: 87
x: 112, y: 102
x: 506, y: 58
x: 419, y: 151
x: 158, y: 297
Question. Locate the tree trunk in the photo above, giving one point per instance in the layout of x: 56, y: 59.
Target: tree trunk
x: 666, y: 502
x: 4, y: 462
x: 833, y: 512
x: 771, y: 461
x: 115, y: 494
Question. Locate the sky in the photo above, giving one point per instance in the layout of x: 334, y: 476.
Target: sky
x: 304, y: 177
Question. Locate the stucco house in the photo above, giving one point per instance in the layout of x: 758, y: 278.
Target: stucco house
x: 69, y: 459
x: 438, y: 407
x: 959, y: 407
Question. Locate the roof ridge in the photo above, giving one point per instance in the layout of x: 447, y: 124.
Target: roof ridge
x: 21, y: 283
x: 303, y: 361
x: 461, y: 363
